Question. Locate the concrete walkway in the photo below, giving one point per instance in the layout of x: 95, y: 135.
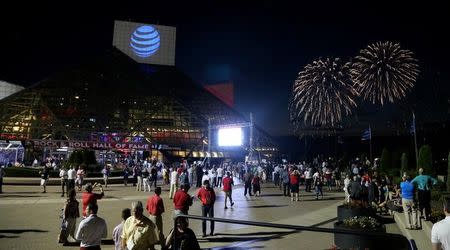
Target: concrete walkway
x: 30, y: 219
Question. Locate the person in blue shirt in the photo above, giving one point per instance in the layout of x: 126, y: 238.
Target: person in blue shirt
x: 423, y: 183
x: 409, y: 208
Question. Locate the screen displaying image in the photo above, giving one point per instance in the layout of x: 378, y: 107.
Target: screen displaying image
x: 230, y: 137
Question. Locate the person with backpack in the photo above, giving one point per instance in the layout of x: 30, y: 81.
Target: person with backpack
x: 208, y: 197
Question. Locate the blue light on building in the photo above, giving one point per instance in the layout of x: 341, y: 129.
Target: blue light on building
x: 145, y: 41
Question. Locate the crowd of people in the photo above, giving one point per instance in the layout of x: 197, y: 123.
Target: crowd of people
x: 360, y: 181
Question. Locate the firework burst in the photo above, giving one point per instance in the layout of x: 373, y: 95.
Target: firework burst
x: 384, y: 72
x: 322, y: 94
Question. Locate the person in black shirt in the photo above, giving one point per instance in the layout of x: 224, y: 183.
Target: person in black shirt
x: 184, y: 237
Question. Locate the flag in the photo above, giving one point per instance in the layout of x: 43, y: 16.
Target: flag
x: 412, y: 129
x: 367, y: 135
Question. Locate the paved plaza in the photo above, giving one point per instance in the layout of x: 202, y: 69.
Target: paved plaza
x: 30, y: 219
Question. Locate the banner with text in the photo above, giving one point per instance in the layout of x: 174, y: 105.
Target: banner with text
x: 89, y: 144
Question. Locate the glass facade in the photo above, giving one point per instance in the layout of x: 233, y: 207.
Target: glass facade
x: 114, y: 99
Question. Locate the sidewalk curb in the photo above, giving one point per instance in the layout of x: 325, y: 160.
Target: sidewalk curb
x: 418, y: 237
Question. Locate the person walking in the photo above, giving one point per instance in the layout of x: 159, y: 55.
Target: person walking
x: 139, y: 232
x: 285, y: 180
x: 318, y: 186
x: 138, y: 176
x: 213, y: 176
x: 256, y: 182
x: 105, y: 172
x: 219, y: 176
x: 228, y: 188
x: 208, y: 197
x: 154, y: 175
x: 117, y: 232
x: 173, y: 183
x: 88, y: 197
x: 155, y: 208
x: 146, y: 179
x: 91, y: 229
x: 409, y: 208
x: 199, y: 175
x: 70, y: 215
x: 347, y: 181
x: 308, y: 179
x: 80, y: 177
x: 71, y: 176
x: 423, y: 181
x: 294, y: 180
x: 126, y: 173
x: 44, y: 178
x: 440, y: 233
x: 63, y: 175
x: 248, y: 177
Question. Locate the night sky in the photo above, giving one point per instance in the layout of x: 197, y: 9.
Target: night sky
x: 260, y: 46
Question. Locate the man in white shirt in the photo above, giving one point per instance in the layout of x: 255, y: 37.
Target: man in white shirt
x: 440, y: 234
x: 92, y: 229
x: 189, y: 172
x: 173, y: 182
x: 219, y: 176
x: 63, y: 175
x: 205, y: 177
x: 71, y: 176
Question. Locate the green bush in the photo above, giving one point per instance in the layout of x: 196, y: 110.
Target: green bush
x: 425, y: 159
x: 404, y: 164
x: 385, y: 160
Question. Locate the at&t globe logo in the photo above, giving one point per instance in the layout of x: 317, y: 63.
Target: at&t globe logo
x: 145, y: 41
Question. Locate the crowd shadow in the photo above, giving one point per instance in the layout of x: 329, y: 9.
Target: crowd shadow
x: 18, y: 196
x: 257, y: 236
x: 266, y: 206
x: 17, y: 231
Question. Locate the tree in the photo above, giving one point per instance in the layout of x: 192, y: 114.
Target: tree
x: 385, y: 160
x: 404, y: 164
x: 425, y: 159
x: 448, y: 172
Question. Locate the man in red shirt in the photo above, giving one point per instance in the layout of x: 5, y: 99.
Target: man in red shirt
x: 227, y: 183
x: 155, y: 208
x: 182, y: 201
x: 207, y: 197
x: 89, y: 197
x: 294, y: 181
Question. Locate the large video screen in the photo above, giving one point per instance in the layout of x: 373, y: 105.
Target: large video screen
x: 230, y: 137
x: 146, y: 43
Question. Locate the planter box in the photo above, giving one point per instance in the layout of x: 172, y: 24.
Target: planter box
x: 356, y: 242
x: 344, y: 212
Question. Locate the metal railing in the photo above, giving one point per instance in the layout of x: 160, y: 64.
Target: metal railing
x: 398, y: 237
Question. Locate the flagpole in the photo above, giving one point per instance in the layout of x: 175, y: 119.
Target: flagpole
x: 415, y: 140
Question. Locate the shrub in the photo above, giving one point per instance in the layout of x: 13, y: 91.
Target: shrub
x: 425, y: 159
x: 385, y: 160
x: 404, y: 164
